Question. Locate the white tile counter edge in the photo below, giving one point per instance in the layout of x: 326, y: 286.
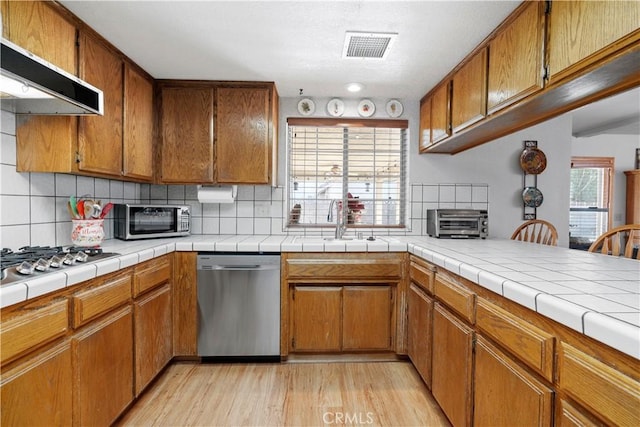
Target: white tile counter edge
x: 616, y: 333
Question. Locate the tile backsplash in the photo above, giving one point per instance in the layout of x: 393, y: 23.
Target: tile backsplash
x: 33, y: 205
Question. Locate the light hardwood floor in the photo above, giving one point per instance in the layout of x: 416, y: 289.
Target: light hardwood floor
x: 287, y: 394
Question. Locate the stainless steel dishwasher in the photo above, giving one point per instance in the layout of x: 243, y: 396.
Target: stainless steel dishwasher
x: 238, y: 306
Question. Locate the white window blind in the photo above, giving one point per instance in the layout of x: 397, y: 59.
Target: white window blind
x: 360, y: 164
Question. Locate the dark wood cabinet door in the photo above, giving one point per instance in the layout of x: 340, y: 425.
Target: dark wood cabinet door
x: 187, y: 135
x: 582, y: 32
x: 452, y: 366
x: 137, y: 142
x: 366, y: 318
x: 103, y: 369
x: 500, y: 379
x: 100, y: 137
x: 243, y: 138
x: 516, y: 58
x: 440, y: 113
x: 420, y: 333
x: 316, y: 318
x: 469, y: 92
x: 185, y: 304
x: 153, y: 335
x: 425, y: 123
x: 38, y: 390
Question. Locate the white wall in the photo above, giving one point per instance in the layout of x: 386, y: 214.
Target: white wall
x: 497, y: 164
x: 623, y: 149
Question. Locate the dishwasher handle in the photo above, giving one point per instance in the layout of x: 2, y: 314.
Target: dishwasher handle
x: 239, y: 267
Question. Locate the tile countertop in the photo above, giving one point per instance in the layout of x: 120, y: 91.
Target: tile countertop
x: 594, y: 294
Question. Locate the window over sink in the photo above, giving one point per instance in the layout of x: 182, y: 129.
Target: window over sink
x: 360, y: 164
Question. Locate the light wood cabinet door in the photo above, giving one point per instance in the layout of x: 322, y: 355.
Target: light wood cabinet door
x: 187, y: 135
x: 425, y: 124
x: 38, y: 390
x: 570, y: 415
x: 137, y: 142
x: 316, y: 318
x: 497, y: 380
x: 153, y: 335
x: 582, y: 32
x: 419, y: 335
x: 469, y: 92
x: 103, y: 369
x: 440, y: 113
x: 243, y: 138
x: 366, y: 318
x: 452, y: 366
x: 516, y: 58
x: 44, y: 143
x: 100, y: 137
x: 185, y: 304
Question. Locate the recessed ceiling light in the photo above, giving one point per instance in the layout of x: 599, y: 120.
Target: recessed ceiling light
x: 355, y: 87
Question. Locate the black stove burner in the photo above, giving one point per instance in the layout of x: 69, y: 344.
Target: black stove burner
x: 32, y: 260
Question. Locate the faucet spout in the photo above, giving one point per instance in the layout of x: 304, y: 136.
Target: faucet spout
x: 340, y: 227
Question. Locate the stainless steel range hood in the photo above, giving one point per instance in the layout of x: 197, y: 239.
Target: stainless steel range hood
x: 31, y: 85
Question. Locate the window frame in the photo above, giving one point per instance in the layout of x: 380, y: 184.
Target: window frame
x: 345, y: 123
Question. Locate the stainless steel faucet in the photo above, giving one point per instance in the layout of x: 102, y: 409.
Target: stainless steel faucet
x: 340, y: 227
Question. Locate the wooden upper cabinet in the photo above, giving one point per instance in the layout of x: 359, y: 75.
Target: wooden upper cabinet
x: 516, y: 57
x: 37, y: 27
x: 243, y: 137
x: 469, y: 92
x: 440, y: 113
x: 100, y: 137
x: 186, y: 119
x: 582, y: 32
x: 137, y: 143
x: 425, y: 124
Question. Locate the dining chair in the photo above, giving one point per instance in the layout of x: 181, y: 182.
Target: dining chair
x: 619, y: 241
x: 536, y: 231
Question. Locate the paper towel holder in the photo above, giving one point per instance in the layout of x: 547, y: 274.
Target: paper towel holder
x: 224, y: 190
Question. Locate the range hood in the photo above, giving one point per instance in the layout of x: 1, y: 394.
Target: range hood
x: 31, y: 85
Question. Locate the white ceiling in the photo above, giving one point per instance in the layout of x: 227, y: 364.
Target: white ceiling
x: 297, y: 44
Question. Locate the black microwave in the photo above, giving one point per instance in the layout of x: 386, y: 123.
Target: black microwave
x: 133, y: 222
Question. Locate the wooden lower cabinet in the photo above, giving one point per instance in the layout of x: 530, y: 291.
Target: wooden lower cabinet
x: 419, y: 334
x: 316, y: 318
x: 498, y: 378
x: 153, y: 337
x: 452, y: 366
x: 185, y: 304
x: 103, y: 368
x: 38, y: 390
x: 341, y: 318
x: 569, y: 415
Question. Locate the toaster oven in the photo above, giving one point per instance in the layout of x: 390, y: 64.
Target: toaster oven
x: 458, y: 223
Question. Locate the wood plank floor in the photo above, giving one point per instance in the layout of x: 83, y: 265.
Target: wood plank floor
x: 287, y: 394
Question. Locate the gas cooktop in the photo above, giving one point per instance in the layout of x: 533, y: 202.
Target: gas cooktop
x: 35, y: 261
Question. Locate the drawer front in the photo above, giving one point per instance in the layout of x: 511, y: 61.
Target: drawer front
x: 529, y: 343
x: 151, y: 275
x: 32, y: 329
x: 344, y: 269
x: 89, y: 304
x: 598, y: 387
x: 422, y: 276
x: 459, y: 299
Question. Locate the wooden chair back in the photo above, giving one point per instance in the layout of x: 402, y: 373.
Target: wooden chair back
x: 536, y: 231
x: 619, y: 241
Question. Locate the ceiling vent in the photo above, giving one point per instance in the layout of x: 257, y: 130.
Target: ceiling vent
x: 367, y: 45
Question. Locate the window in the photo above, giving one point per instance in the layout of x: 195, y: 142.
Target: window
x: 590, y: 199
x: 360, y: 164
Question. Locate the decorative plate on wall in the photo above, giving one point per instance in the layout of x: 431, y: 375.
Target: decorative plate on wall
x: 394, y: 108
x: 366, y: 108
x: 532, y: 197
x: 533, y: 161
x: 335, y: 107
x: 306, y: 107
